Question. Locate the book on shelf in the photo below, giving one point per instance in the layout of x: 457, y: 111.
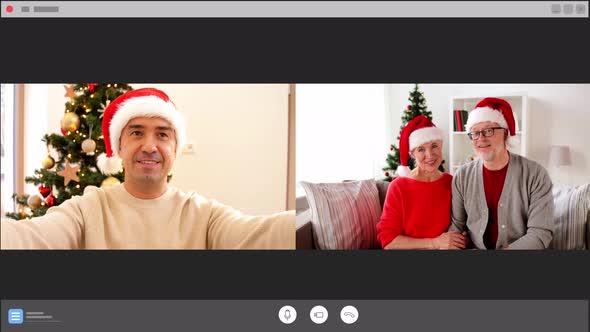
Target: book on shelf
x: 460, y: 119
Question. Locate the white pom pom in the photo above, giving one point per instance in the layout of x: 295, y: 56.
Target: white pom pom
x: 513, y: 142
x: 403, y: 171
x: 109, y: 166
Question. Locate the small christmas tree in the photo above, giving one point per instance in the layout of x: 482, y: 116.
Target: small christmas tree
x: 416, y: 107
x: 77, y: 148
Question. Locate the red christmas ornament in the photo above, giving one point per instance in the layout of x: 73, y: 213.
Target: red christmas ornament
x: 64, y: 132
x: 386, y: 173
x: 91, y: 86
x: 44, y: 191
x: 391, y: 148
x: 50, y: 200
x: 409, y: 107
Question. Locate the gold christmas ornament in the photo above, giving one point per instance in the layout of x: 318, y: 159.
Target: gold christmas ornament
x: 70, y: 122
x: 109, y: 182
x: 34, y: 201
x: 48, y: 162
x: 88, y: 146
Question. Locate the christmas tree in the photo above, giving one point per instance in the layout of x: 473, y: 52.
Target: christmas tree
x: 76, y: 148
x: 416, y: 107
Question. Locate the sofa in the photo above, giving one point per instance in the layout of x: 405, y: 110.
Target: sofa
x: 305, y: 234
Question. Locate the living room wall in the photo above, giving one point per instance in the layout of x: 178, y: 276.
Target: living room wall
x: 239, y: 132
x: 559, y: 115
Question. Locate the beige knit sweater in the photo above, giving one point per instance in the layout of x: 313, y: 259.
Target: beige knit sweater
x: 112, y: 218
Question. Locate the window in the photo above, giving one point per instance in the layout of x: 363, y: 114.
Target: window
x: 7, y: 151
x: 340, y: 132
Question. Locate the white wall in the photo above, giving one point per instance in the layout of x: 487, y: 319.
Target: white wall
x: 559, y: 115
x: 240, y: 134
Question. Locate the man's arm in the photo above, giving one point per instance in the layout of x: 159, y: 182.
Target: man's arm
x: 458, y: 212
x: 60, y: 228
x: 230, y: 229
x: 541, y: 223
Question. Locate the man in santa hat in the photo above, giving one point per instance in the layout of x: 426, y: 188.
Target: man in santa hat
x: 144, y: 133
x: 504, y: 200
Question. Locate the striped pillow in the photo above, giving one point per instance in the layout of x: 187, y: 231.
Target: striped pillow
x: 571, y: 210
x: 344, y: 215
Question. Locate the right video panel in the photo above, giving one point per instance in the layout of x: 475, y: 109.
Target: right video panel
x: 442, y: 166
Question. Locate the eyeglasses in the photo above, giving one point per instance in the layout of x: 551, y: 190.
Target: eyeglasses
x: 488, y: 132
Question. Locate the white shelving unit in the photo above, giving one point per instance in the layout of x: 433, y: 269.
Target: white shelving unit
x: 460, y: 147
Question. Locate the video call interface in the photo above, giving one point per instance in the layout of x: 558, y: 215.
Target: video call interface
x: 294, y: 165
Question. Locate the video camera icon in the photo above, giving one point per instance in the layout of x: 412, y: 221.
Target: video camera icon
x: 318, y: 314
x: 349, y: 314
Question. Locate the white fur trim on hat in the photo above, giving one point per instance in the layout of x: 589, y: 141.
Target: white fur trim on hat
x: 424, y: 135
x: 403, y: 171
x: 485, y: 114
x: 109, y: 166
x: 513, y: 141
x: 148, y: 106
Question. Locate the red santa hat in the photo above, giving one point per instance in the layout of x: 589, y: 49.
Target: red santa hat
x: 494, y: 110
x: 147, y: 102
x: 418, y: 131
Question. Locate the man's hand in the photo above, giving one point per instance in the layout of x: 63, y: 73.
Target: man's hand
x: 450, y: 240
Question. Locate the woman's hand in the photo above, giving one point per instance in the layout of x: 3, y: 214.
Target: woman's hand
x: 450, y: 240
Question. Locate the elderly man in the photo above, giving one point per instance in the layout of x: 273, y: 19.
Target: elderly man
x: 144, y: 132
x: 503, y: 199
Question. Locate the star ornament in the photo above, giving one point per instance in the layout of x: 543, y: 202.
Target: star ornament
x: 70, y: 93
x: 103, y: 107
x: 69, y: 173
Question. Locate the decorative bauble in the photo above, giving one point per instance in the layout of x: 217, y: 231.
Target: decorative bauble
x: 386, y: 173
x: 109, y: 182
x: 50, y: 201
x: 92, y: 86
x: 409, y: 107
x: 70, y: 122
x: 88, y: 146
x: 48, y: 162
x: 34, y: 201
x: 44, y: 191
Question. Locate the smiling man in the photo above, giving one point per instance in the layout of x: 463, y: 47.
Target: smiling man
x: 503, y: 199
x: 144, y: 133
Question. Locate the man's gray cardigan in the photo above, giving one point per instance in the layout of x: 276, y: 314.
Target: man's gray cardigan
x: 525, y: 209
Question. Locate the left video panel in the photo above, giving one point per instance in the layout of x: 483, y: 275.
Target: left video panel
x: 147, y: 166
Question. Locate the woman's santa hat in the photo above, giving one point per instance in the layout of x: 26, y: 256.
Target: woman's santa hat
x: 494, y: 110
x: 418, y: 131
x: 147, y: 102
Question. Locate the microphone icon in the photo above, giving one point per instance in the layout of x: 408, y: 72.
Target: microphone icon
x: 287, y: 314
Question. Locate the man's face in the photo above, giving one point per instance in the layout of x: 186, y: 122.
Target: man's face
x: 489, y: 148
x: 148, y: 147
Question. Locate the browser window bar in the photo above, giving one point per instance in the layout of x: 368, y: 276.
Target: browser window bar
x: 294, y: 9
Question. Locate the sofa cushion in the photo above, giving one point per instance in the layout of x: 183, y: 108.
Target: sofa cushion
x: 571, y: 213
x: 344, y: 215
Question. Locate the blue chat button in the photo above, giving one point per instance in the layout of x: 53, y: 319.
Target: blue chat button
x: 15, y: 316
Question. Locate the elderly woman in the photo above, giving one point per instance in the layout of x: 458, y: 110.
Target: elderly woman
x: 417, y: 209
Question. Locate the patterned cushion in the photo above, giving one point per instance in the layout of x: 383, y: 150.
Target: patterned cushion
x: 571, y: 210
x: 344, y: 215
